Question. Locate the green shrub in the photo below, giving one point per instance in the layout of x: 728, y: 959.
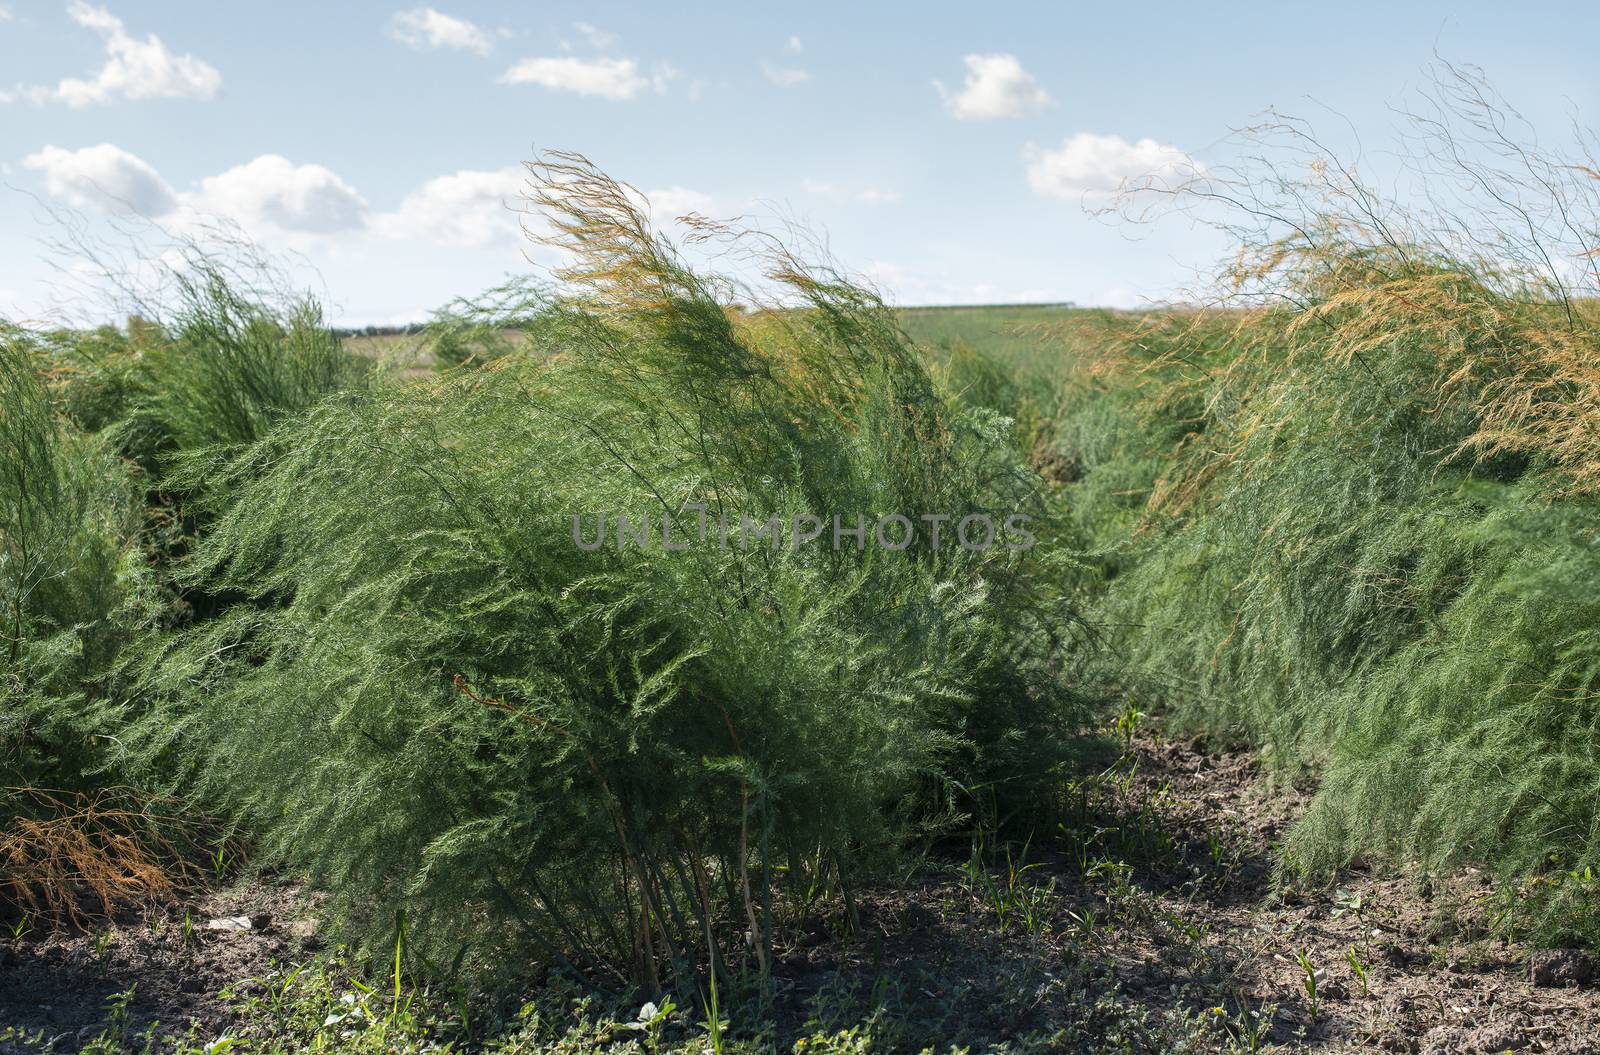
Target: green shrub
x: 504, y: 321
x: 69, y: 570
x: 72, y: 588
x: 1356, y: 527
x: 93, y: 374
x: 230, y: 368
x: 438, y: 702
x: 228, y: 361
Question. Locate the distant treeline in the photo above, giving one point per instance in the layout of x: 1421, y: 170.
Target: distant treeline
x: 414, y: 328
x: 408, y: 330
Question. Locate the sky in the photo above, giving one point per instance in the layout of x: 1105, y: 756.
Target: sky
x: 949, y: 153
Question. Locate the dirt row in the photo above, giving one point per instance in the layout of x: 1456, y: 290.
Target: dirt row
x: 1154, y: 913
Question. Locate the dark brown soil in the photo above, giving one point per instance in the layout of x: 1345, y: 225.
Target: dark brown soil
x: 58, y: 985
x: 1153, y: 911
x: 1438, y: 981
x: 1188, y: 926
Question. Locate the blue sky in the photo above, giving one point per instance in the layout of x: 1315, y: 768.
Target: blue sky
x: 947, y: 151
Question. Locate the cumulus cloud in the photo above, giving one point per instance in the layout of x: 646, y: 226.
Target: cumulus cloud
x: 273, y: 199
x: 266, y: 195
x: 466, y: 208
x: 1095, y: 167
x: 477, y: 208
x: 135, y: 69
x: 606, y: 78
x: 669, y: 203
x: 103, y: 177
x: 273, y: 191
x: 425, y: 27
x: 996, y: 86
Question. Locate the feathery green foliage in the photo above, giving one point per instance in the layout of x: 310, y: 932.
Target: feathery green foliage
x: 437, y: 700
x: 85, y: 571
x: 230, y: 368
x: 68, y: 570
x: 227, y: 361
x: 1358, y: 525
x: 504, y: 321
x: 72, y: 583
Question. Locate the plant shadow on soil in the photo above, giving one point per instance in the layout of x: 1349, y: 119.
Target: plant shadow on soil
x: 1151, y: 919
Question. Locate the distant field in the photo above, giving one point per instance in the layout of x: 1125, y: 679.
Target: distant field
x: 1011, y: 332
x: 1001, y: 329
x: 409, y: 350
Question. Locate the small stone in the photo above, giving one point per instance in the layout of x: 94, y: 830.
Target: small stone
x: 1560, y: 967
x: 229, y: 924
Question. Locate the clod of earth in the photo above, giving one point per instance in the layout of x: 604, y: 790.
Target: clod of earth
x: 1560, y: 967
x: 1454, y: 1040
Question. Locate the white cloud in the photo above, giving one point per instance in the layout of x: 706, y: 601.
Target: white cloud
x: 104, y: 177
x: 274, y: 192
x: 268, y: 194
x: 597, y: 37
x: 669, y: 203
x: 465, y: 208
x: 787, y: 76
x: 5, y: 16
x: 784, y: 76
x: 425, y: 27
x: 474, y: 209
x: 1089, y: 166
x: 617, y: 79
x: 135, y: 69
x: 996, y: 86
x: 278, y: 202
x: 663, y: 74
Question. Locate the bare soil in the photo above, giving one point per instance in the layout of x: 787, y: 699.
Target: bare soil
x: 1153, y: 914
x: 1438, y: 982
x: 58, y: 986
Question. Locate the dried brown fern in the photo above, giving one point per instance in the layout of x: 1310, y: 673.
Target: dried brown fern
x: 69, y: 856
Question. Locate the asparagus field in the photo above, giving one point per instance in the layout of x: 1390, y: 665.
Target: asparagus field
x: 679, y: 663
